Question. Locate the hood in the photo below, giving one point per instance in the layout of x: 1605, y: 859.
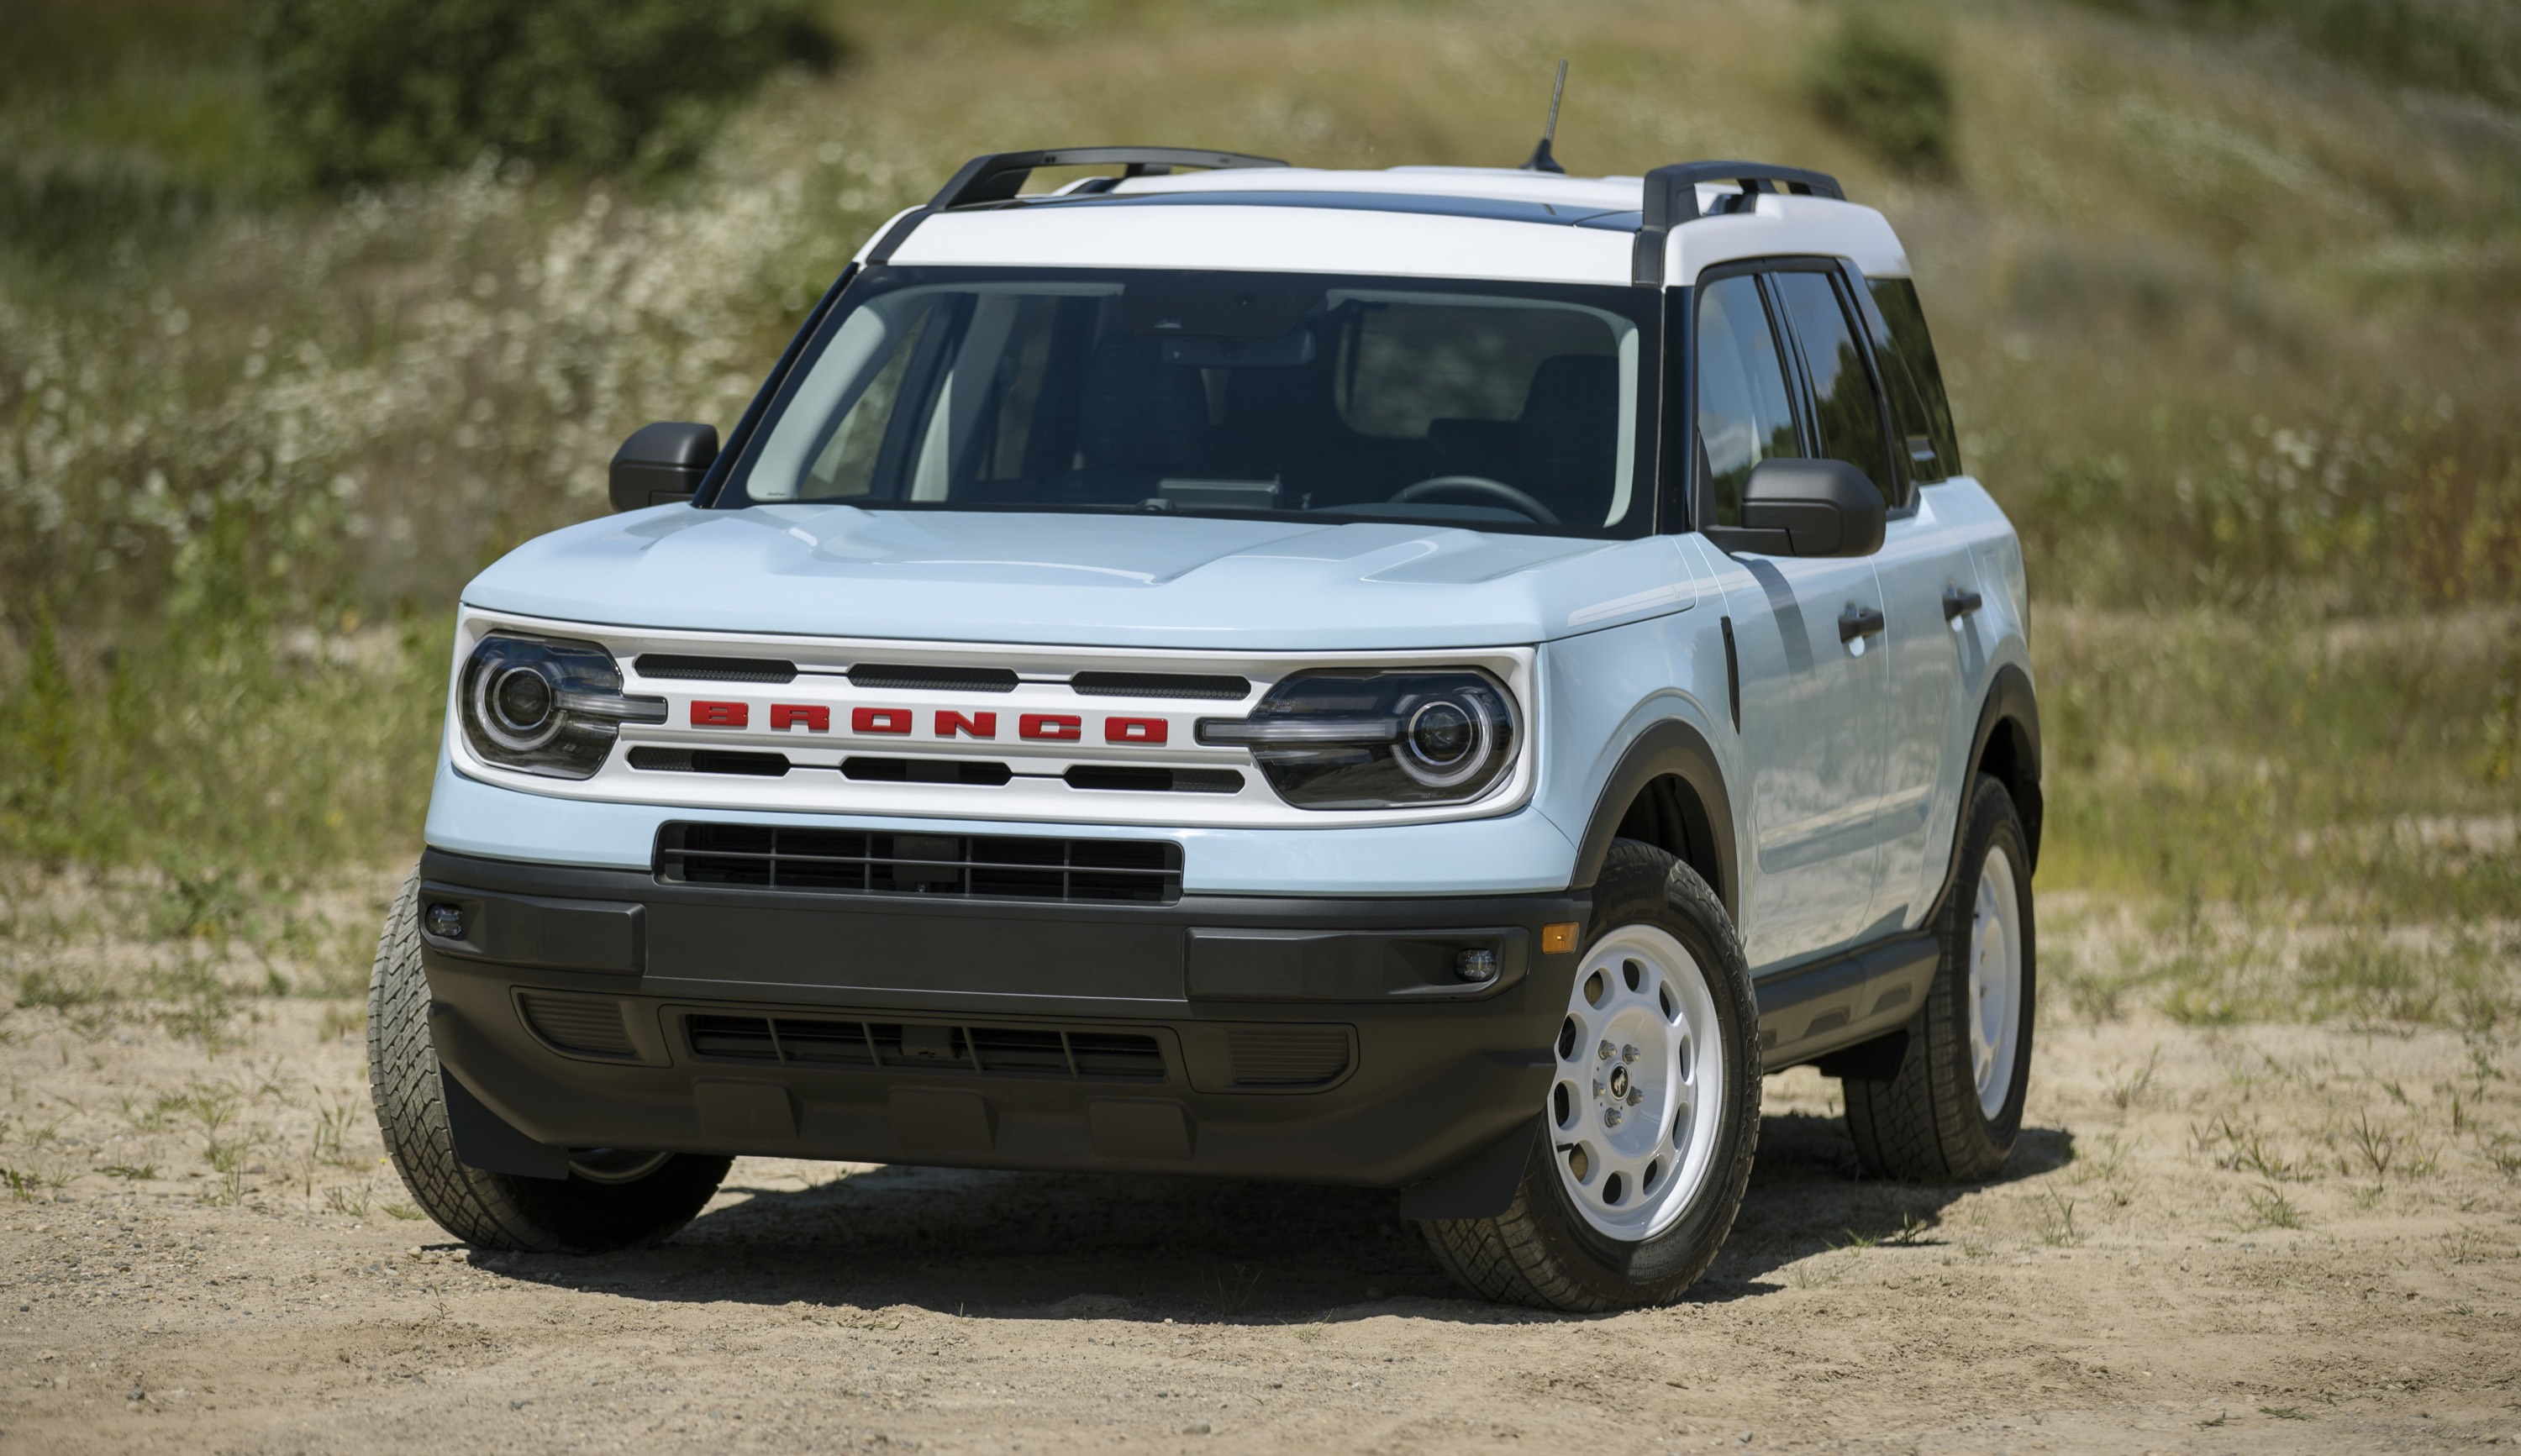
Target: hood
x: 1158, y: 582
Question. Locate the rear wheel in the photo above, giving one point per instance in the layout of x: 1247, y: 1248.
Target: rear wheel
x: 1648, y: 1128
x: 1952, y: 1108
x: 612, y: 1199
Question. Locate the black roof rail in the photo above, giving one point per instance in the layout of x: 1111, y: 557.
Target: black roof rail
x: 1000, y: 176
x: 1671, y: 198
x: 997, y: 177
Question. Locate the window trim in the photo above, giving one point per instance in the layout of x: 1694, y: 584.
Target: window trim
x: 1860, y: 284
x: 1697, y: 490
x: 1859, y: 328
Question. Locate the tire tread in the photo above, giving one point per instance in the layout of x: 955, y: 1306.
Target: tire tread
x: 1922, y: 1124
x: 485, y: 1209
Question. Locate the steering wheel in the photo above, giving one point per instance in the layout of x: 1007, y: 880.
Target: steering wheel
x: 1496, y: 492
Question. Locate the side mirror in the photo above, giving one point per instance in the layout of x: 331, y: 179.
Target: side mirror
x: 661, y: 464
x: 1807, y: 507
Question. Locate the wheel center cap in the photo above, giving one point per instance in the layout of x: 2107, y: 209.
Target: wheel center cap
x: 1620, y: 1082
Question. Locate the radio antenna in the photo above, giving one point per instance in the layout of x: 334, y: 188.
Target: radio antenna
x: 1541, y: 160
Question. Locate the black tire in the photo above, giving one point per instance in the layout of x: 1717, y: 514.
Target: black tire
x: 1541, y: 1251
x: 1925, y: 1122
x: 576, y: 1214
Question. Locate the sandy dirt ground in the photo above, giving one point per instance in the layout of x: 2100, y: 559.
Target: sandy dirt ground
x: 2246, y: 1238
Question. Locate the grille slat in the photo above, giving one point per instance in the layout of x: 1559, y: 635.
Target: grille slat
x: 672, y: 665
x: 1154, y: 780
x: 977, y: 771
x: 972, y: 866
x: 709, y: 761
x: 934, y: 679
x: 1217, y: 686
x: 993, y: 1051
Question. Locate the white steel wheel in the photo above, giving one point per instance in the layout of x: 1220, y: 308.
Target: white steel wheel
x: 1995, y: 981
x: 1635, y: 1110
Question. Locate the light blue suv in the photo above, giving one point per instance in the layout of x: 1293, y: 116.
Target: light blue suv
x: 1435, y: 679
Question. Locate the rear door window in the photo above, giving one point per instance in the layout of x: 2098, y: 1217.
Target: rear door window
x: 1918, y: 404
x: 1743, y: 413
x: 1846, y: 413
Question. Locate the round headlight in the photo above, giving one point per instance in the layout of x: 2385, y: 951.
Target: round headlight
x: 1444, y: 742
x: 518, y: 707
x: 546, y: 705
x: 524, y: 700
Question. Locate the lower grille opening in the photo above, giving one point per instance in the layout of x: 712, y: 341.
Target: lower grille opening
x: 736, y: 1038
x: 1000, y: 1051
x: 926, y: 771
x: 980, y: 866
x: 584, y: 1024
x: 1154, y: 780
x: 709, y: 761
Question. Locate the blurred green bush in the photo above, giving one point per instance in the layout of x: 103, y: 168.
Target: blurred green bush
x: 371, y: 90
x: 1885, y: 84
x: 2467, y: 45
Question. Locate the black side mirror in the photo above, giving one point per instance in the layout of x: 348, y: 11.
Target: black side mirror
x: 662, y: 463
x: 1807, y: 507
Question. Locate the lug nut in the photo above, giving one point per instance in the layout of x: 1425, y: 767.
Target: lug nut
x: 1628, y: 1052
x: 1611, y: 1117
x: 1605, y: 1053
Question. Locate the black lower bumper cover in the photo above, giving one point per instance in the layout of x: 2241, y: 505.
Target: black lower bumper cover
x: 1310, y: 1039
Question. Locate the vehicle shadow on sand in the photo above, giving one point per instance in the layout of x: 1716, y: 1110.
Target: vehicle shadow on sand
x: 1117, y: 1246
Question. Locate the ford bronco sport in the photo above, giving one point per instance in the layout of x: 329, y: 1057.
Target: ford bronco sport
x: 1435, y: 679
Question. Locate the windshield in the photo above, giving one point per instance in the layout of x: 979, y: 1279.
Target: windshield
x: 1495, y: 406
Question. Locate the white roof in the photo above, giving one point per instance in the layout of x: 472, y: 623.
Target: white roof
x: 1519, y: 236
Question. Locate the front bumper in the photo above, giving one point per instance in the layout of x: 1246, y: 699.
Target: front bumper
x: 1314, y: 1040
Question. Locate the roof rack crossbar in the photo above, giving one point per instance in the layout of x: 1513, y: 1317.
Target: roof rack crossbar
x: 1671, y: 198
x: 1000, y: 176
x: 996, y: 178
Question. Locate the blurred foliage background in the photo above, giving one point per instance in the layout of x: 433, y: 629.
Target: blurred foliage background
x: 309, y: 308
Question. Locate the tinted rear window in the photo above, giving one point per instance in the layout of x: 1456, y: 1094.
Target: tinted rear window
x: 1922, y: 413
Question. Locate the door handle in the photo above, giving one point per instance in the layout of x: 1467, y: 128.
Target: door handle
x: 1961, y: 602
x: 1858, y: 621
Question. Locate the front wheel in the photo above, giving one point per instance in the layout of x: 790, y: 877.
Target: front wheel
x: 1649, y: 1125
x: 612, y: 1199
x: 1952, y: 1108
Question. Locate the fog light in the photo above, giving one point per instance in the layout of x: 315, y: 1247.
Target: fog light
x: 447, y: 922
x: 1476, y: 966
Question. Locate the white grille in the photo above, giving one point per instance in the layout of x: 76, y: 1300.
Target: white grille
x: 992, y: 732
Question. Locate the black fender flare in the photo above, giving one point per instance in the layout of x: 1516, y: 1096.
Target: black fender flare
x: 2009, y: 704
x: 2010, y: 700
x: 1672, y: 748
